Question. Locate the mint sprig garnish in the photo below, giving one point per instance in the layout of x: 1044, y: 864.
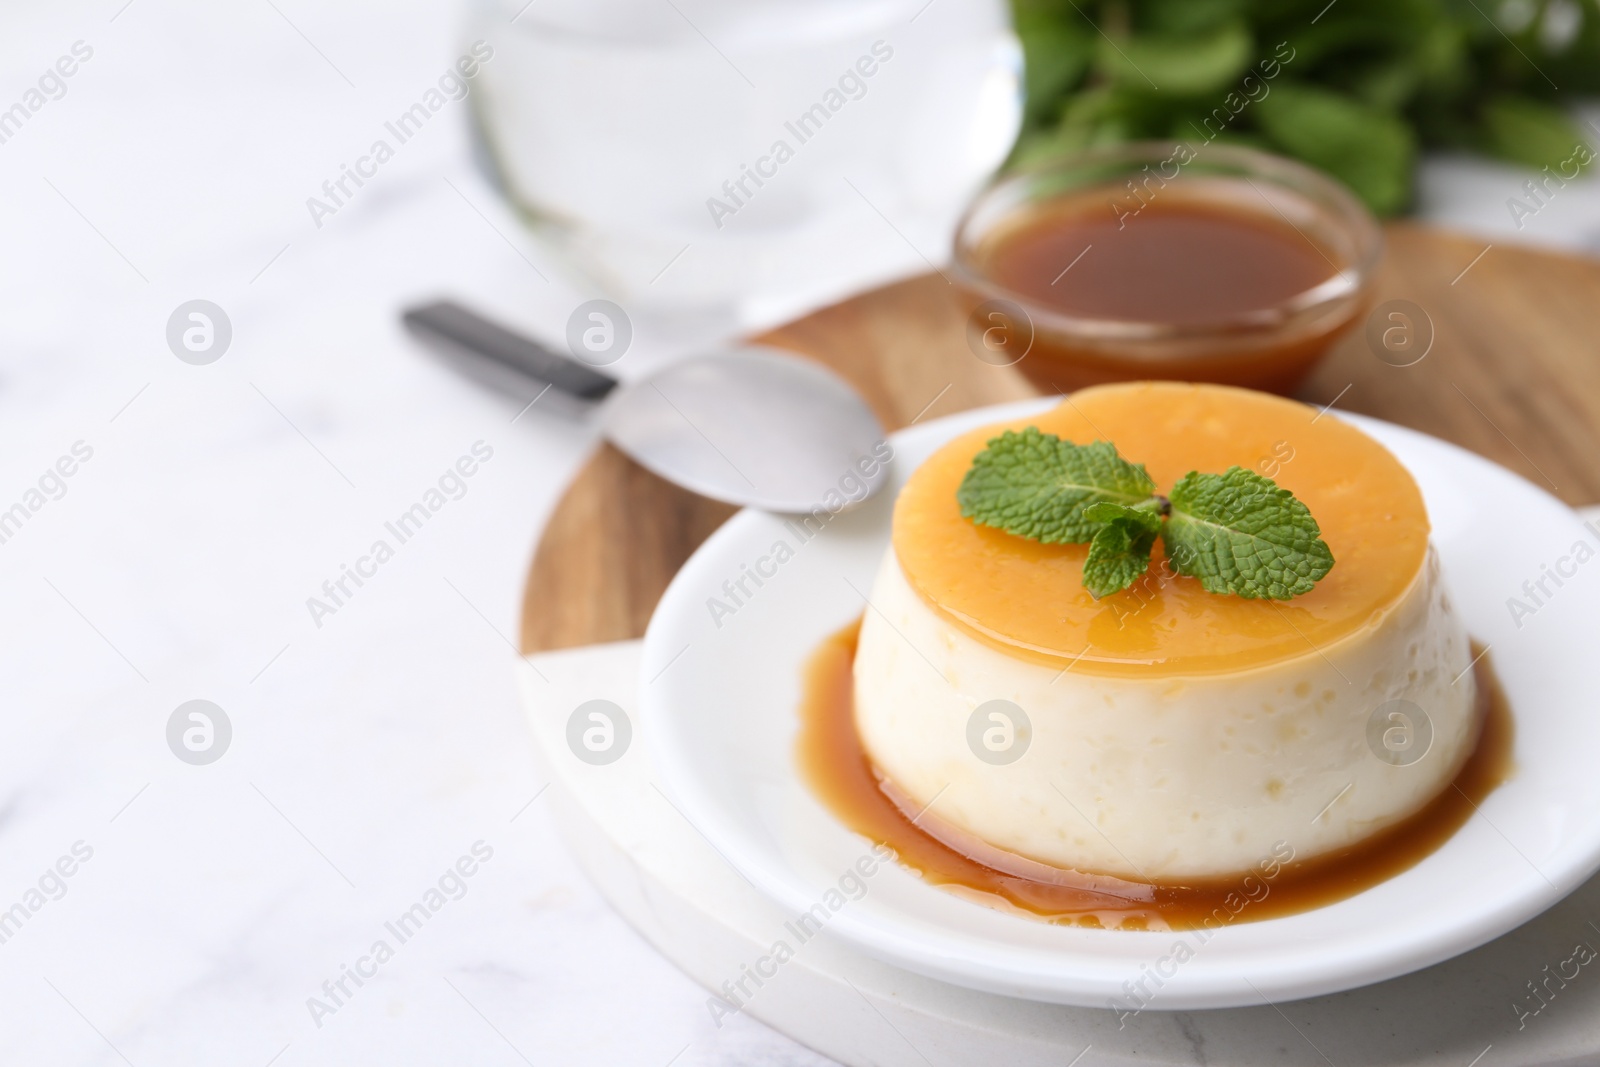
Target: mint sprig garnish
x: 1237, y: 532
x: 1036, y: 485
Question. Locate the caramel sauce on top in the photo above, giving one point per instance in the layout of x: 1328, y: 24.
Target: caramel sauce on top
x: 840, y: 773
x: 1028, y: 599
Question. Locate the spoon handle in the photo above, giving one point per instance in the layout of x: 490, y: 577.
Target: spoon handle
x: 447, y: 321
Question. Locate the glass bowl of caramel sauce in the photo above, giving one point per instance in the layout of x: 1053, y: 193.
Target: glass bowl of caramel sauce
x: 1163, y: 260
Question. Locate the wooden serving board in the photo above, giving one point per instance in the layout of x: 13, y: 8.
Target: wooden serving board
x: 1513, y: 374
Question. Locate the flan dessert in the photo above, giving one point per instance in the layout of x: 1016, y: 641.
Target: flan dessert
x: 1166, y: 732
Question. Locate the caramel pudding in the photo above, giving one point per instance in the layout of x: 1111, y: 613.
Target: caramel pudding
x: 836, y: 768
x: 1170, y: 733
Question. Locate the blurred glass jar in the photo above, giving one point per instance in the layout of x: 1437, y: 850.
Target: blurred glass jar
x: 745, y: 160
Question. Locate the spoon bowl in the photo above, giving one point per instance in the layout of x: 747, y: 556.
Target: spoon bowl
x: 748, y: 425
x: 752, y: 426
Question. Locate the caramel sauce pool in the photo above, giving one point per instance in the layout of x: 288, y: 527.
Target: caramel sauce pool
x: 839, y: 772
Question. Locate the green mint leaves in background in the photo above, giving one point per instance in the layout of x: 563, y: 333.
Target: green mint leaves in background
x: 1235, y: 532
x: 1370, y: 149
x: 1356, y: 88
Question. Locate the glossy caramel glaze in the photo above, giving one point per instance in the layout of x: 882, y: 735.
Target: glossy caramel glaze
x: 841, y: 775
x: 1028, y: 600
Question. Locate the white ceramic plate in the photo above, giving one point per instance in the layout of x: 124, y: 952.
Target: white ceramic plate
x: 720, y: 698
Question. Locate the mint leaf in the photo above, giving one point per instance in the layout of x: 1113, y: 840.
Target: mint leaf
x: 1037, y: 485
x: 1530, y: 132
x: 1239, y: 533
x: 1371, y: 150
x: 1145, y: 515
x: 1055, y: 56
x: 1119, y: 555
x: 1192, y: 62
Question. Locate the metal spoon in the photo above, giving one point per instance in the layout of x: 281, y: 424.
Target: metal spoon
x: 747, y: 425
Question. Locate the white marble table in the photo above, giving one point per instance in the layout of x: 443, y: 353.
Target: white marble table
x: 374, y: 746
